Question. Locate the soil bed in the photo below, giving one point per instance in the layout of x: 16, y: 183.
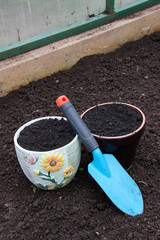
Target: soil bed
x: 46, y: 135
x: 81, y: 210
x: 112, y: 120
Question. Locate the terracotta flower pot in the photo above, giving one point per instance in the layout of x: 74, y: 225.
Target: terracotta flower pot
x: 49, y: 170
x: 123, y: 147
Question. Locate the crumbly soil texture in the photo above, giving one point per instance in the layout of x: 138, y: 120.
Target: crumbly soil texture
x: 81, y: 210
x: 46, y: 135
x: 112, y: 120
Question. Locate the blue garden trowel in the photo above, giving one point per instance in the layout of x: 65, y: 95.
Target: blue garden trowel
x: 104, y: 168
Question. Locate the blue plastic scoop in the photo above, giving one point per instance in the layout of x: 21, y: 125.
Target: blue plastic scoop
x: 105, y: 168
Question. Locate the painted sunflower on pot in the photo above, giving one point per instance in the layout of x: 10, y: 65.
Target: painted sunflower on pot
x: 68, y: 171
x: 52, y: 163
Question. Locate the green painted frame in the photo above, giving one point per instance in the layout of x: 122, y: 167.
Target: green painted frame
x: 110, y: 6
x: 53, y: 36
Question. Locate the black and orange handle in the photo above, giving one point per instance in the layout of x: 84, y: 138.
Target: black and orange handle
x: 61, y: 100
x: 77, y: 123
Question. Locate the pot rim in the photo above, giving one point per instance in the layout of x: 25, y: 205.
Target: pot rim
x: 36, y: 120
x: 121, y: 136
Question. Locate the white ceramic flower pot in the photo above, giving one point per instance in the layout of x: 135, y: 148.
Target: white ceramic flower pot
x: 52, y: 169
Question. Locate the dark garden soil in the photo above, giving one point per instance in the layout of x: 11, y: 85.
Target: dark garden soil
x: 113, y: 120
x: 81, y: 210
x: 46, y: 135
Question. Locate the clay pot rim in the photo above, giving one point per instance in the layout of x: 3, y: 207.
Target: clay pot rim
x: 36, y: 120
x: 121, y: 136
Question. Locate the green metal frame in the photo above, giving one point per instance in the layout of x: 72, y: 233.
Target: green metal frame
x: 110, y: 6
x: 53, y: 36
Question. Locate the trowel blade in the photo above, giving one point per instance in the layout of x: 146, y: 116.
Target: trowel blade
x: 118, y: 185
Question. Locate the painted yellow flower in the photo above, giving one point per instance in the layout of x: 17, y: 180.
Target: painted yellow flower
x: 52, y: 163
x: 68, y: 171
x: 36, y: 171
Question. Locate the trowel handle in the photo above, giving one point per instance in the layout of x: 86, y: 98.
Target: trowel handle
x: 77, y: 123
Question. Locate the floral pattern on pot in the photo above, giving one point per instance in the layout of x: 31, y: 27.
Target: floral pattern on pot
x: 30, y: 158
x: 68, y: 171
x: 52, y: 163
x: 46, y: 187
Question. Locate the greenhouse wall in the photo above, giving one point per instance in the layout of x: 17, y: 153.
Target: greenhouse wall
x: 29, y: 24
x: 27, y: 18
x: 121, y: 3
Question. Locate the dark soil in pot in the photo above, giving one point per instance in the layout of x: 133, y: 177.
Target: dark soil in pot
x: 46, y: 135
x: 112, y: 120
x: 118, y: 128
x: 81, y: 210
